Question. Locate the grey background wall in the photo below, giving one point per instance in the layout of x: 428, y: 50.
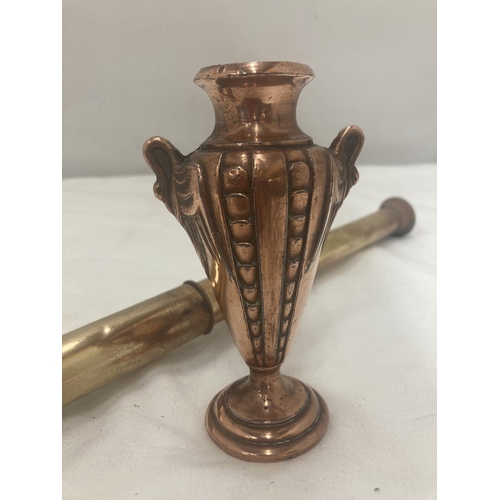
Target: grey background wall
x: 128, y: 68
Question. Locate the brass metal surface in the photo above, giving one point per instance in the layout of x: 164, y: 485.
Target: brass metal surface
x: 257, y: 200
x: 100, y: 352
x: 104, y: 350
x: 395, y: 217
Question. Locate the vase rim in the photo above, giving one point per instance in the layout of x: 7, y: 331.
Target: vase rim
x: 255, y: 68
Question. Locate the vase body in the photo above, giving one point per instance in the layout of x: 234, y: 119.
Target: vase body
x: 257, y: 200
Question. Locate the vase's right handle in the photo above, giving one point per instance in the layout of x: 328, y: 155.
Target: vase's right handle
x: 346, y: 148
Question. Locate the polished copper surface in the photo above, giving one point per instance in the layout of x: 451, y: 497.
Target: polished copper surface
x: 258, y: 199
x: 104, y: 350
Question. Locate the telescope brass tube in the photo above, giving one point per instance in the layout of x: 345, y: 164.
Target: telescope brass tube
x: 102, y: 351
x: 395, y: 217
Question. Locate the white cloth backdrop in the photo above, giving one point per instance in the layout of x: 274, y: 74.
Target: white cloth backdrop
x: 366, y: 343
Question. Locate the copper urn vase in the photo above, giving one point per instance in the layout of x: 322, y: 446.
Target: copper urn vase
x: 257, y: 199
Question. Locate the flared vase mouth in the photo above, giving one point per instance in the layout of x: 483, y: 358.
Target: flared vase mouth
x: 253, y: 69
x: 255, y: 102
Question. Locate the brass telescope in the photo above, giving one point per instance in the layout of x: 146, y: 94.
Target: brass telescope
x: 102, y: 351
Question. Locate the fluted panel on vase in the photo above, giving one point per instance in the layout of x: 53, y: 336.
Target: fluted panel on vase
x: 236, y: 189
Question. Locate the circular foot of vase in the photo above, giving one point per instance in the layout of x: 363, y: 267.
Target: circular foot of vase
x: 267, y: 440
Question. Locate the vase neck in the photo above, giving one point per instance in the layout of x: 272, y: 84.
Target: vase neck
x: 255, y: 109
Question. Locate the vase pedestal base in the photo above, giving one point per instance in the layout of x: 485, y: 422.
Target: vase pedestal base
x: 267, y: 417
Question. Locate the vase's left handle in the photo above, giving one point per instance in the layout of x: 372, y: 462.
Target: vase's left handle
x: 163, y: 158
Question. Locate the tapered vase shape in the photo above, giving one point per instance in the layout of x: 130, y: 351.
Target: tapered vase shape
x: 257, y: 199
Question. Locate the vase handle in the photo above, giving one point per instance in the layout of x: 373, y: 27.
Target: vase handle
x: 162, y: 157
x: 346, y: 148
